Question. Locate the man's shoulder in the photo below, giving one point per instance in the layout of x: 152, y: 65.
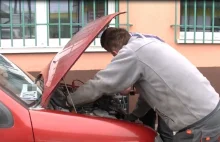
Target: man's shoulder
x: 148, y: 36
x: 136, y: 43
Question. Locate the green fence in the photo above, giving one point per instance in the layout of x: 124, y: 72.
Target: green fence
x: 198, y: 19
x: 64, y: 18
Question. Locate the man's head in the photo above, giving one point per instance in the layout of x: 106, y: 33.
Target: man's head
x: 113, y: 39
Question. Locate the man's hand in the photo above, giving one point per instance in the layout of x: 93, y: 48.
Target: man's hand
x: 128, y: 91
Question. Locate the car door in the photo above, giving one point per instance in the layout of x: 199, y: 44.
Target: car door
x: 15, y: 122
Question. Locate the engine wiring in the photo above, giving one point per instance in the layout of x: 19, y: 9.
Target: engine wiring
x: 78, y: 81
x: 70, y: 96
x: 123, y: 103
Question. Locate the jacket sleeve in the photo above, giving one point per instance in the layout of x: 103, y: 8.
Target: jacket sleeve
x: 142, y: 107
x: 123, y: 71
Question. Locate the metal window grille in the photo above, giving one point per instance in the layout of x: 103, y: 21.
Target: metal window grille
x: 199, y: 21
x: 63, y: 18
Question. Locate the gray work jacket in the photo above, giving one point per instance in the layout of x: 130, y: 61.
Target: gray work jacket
x: 165, y: 79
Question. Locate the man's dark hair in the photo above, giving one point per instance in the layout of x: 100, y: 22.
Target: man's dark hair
x: 114, y: 38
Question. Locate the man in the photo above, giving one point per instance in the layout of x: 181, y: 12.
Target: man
x: 166, y: 80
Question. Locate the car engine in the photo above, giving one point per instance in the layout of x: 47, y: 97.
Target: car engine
x: 111, y: 106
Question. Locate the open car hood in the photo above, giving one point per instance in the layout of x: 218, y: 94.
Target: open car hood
x: 67, y: 57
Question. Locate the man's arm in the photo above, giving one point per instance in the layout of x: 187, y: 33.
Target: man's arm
x: 121, y: 73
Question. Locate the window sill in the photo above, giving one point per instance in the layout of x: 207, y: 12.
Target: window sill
x: 27, y: 50
x: 197, y: 41
x: 197, y: 38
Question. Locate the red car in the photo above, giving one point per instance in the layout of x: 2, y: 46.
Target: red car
x: 35, y: 110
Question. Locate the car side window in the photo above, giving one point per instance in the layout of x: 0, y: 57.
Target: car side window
x: 6, y: 118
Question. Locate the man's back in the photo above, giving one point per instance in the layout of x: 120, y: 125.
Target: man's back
x: 171, y: 84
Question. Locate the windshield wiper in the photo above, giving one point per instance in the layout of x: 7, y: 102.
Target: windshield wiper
x: 37, y: 102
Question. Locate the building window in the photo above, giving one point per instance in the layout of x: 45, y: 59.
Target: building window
x: 17, y: 19
x: 62, y: 10
x: 200, y: 22
x: 48, y: 23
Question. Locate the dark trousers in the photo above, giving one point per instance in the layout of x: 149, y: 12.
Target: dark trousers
x: 165, y: 132
x: 205, y: 130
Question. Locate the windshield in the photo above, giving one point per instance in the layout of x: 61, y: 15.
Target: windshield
x: 18, y: 83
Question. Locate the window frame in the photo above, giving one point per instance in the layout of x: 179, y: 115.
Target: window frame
x: 42, y: 45
x: 197, y: 36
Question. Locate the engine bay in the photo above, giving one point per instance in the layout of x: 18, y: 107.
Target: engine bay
x: 110, y: 106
